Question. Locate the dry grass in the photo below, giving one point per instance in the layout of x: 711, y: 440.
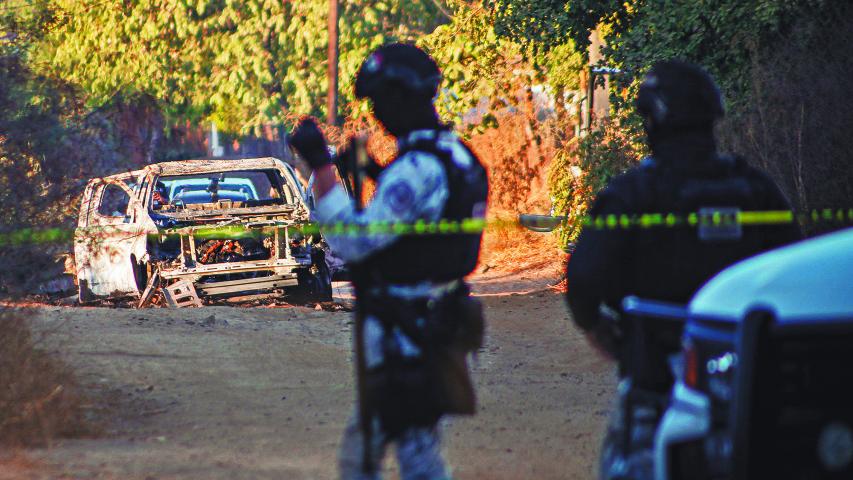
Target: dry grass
x: 516, y: 154
x: 16, y: 465
x: 39, y: 398
x: 520, y: 250
x: 517, y: 160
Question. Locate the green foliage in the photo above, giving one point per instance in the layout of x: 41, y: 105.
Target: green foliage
x: 563, y: 64
x: 49, y: 145
x: 48, y: 141
x: 796, y: 125
x: 546, y: 24
x: 722, y: 35
x: 584, y: 168
x: 243, y: 64
x: 568, y: 193
x: 238, y: 63
x: 486, y: 74
x: 477, y: 66
x: 41, y: 146
x: 31, y: 127
x: 728, y: 37
x: 246, y: 63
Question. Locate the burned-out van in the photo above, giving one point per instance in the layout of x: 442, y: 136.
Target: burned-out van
x: 211, y: 227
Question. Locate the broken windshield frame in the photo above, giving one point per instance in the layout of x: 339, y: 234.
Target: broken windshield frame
x: 241, y: 188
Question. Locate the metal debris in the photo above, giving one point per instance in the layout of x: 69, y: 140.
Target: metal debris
x: 181, y: 294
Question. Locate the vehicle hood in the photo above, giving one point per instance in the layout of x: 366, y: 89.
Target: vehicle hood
x: 807, y: 281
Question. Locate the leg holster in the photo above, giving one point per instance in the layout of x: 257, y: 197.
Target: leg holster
x: 410, y: 391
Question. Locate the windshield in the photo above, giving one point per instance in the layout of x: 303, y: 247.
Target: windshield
x: 233, y: 189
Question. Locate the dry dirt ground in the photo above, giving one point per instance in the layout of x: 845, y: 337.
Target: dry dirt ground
x: 225, y: 393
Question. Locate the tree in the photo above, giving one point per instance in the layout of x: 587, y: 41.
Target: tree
x: 545, y: 24
x: 485, y: 73
x: 722, y: 35
x: 739, y: 42
x: 239, y: 63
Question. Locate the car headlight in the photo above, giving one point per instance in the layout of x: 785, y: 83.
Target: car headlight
x: 707, y: 368
x: 720, y: 371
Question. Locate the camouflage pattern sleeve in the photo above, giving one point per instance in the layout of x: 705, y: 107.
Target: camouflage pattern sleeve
x: 414, y: 187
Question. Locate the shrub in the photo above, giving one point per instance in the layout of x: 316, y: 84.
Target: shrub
x: 797, y: 126
x: 39, y: 398
x: 583, y: 167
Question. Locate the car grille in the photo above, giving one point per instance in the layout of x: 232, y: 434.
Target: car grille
x: 803, y: 416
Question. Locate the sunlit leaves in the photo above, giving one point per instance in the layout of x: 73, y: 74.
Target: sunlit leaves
x: 238, y: 63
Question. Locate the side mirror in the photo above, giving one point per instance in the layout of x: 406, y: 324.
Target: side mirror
x: 540, y: 223
x: 640, y: 307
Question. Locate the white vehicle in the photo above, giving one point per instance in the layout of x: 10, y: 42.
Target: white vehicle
x: 768, y: 363
x: 219, y: 225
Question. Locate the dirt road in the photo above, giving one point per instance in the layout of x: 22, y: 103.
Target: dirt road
x: 223, y: 392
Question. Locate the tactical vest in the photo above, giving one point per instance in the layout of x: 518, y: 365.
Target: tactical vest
x: 672, y: 263
x: 438, y: 257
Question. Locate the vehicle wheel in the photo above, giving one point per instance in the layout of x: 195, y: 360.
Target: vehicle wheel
x: 140, y: 273
x: 84, y: 295
x: 315, y: 284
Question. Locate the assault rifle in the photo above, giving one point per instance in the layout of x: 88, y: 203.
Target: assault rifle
x: 351, y: 166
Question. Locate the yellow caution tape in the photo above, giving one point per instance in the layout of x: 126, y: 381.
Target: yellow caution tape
x: 540, y: 223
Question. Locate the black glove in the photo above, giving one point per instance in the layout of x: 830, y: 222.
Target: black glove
x: 309, y: 143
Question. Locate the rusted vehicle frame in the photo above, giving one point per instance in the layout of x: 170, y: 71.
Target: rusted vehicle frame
x: 116, y: 251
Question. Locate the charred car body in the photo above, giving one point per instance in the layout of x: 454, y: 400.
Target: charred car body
x: 219, y: 227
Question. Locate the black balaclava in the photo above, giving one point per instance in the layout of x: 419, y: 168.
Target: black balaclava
x: 680, y: 103
x: 401, y: 80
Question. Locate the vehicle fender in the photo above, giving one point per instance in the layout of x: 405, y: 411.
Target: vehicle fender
x: 687, y: 418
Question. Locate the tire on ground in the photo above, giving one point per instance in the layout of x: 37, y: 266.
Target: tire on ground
x: 315, y: 283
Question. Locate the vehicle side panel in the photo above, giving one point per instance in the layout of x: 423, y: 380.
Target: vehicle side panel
x: 108, y: 244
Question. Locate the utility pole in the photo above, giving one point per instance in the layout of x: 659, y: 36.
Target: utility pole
x: 332, y: 98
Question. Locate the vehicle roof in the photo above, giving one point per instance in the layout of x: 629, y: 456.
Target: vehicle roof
x: 189, y: 167
x: 807, y: 280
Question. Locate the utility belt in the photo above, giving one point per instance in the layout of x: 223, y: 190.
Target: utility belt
x: 446, y: 325
x: 437, y: 317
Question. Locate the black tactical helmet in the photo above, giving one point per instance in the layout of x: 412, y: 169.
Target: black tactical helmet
x: 677, y: 95
x: 400, y: 64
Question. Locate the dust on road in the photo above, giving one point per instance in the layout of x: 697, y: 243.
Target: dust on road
x: 223, y: 392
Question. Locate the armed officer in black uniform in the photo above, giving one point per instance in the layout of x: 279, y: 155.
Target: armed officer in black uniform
x: 415, y: 319
x: 685, y: 174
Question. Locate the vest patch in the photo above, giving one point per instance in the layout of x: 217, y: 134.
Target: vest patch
x: 400, y: 197
x: 418, y: 258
